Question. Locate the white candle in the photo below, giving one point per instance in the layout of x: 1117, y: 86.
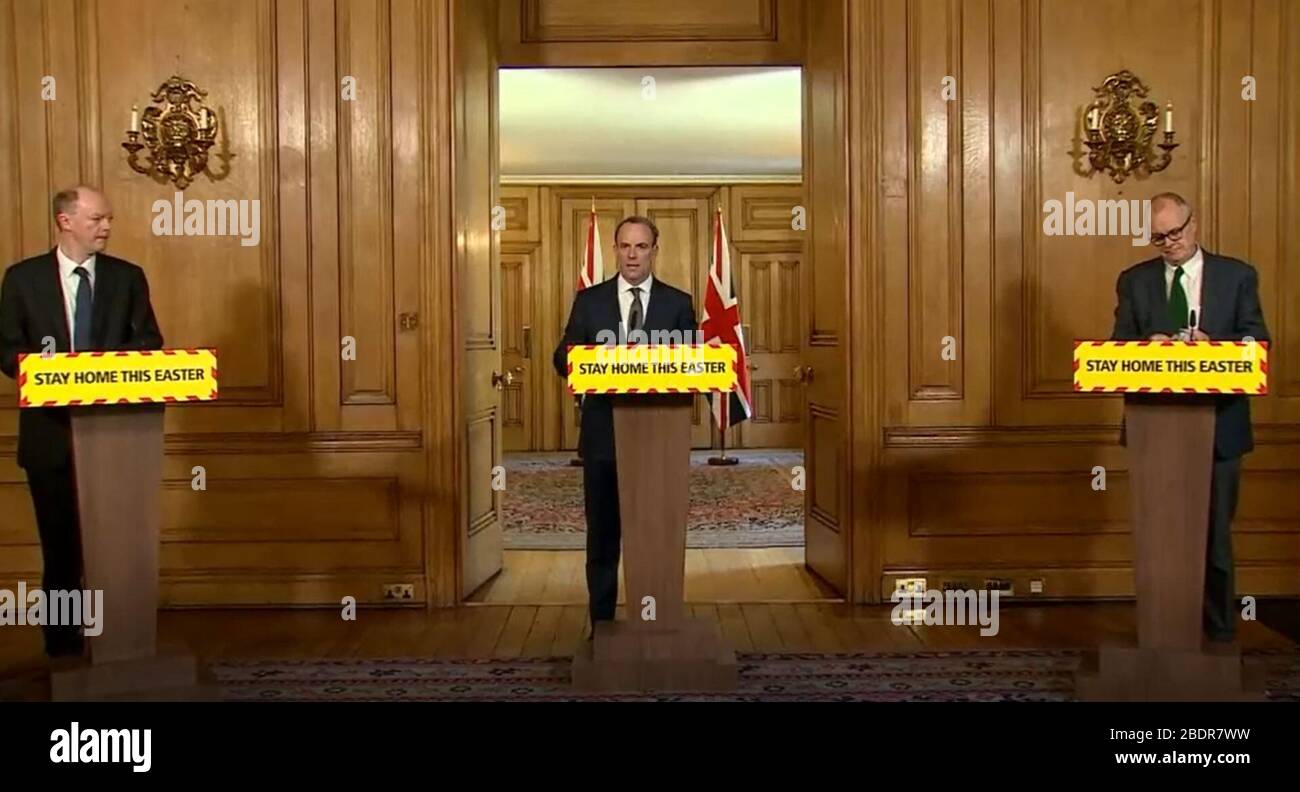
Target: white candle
x: 135, y: 118
x: 203, y: 118
x: 1169, y: 117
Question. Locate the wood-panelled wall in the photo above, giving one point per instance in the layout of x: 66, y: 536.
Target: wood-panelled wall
x: 987, y: 460
x: 315, y: 461
x: 541, y: 250
x: 651, y: 32
x: 328, y: 477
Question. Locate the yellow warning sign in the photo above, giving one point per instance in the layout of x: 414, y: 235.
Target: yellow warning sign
x: 652, y: 368
x: 1171, y: 367
x: 68, y: 379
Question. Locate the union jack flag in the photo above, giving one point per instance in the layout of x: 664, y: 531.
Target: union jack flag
x: 721, y: 322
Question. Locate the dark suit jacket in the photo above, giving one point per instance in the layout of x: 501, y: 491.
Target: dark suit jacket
x: 596, y: 309
x: 31, y: 309
x: 1230, y: 311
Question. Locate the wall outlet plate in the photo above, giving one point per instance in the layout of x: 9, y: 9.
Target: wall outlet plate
x: 909, y: 586
x: 399, y: 591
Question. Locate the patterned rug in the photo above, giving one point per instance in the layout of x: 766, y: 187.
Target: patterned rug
x: 750, y: 504
x: 1032, y: 675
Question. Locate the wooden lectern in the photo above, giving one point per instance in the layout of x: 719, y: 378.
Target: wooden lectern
x: 118, y: 453
x: 1170, y: 442
x: 671, y: 652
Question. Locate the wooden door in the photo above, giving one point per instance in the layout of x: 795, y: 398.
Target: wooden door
x: 824, y: 376
x: 684, y: 229
x: 474, y: 151
x: 770, y: 288
x: 518, y: 337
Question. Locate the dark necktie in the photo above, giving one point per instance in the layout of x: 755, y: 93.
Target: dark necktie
x: 634, y: 318
x: 81, y: 312
x: 1178, y: 302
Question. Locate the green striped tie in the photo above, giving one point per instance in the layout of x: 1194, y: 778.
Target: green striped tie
x: 1178, y: 302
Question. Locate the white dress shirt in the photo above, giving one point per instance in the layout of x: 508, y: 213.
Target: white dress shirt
x: 625, y: 299
x: 1193, y: 269
x: 71, y: 282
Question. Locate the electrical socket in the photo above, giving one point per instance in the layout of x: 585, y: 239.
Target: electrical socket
x: 908, y: 589
x: 909, y: 586
x: 399, y: 591
x: 1036, y: 586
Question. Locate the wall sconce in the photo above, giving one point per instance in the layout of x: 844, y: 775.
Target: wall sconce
x: 178, y: 136
x: 1120, y: 136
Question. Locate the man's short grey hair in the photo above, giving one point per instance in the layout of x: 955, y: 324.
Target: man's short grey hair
x: 65, y: 201
x: 1173, y: 198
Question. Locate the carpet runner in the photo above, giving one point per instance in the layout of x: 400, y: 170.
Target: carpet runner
x: 750, y: 504
x: 1003, y: 675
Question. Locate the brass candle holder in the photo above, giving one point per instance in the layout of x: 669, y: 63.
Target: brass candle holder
x: 177, y: 130
x: 1120, y: 137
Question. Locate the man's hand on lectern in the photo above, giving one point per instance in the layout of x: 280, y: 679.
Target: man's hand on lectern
x: 1199, y: 335
x: 1159, y: 337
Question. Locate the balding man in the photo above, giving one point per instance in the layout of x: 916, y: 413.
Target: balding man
x: 1191, y: 293
x: 79, y: 299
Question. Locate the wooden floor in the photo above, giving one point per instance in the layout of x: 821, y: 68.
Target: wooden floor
x: 554, y: 630
x: 557, y: 577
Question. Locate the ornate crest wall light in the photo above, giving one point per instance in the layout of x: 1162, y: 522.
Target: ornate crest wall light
x: 178, y: 129
x: 1119, y: 136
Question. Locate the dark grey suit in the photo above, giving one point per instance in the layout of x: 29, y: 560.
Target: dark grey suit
x: 31, y: 310
x: 596, y: 309
x: 1230, y: 311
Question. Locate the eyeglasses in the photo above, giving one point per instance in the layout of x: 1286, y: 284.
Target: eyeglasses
x: 1172, y: 236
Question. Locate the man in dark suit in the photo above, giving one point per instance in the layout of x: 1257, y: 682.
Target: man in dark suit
x: 614, y: 310
x: 74, y: 298
x: 1192, y: 293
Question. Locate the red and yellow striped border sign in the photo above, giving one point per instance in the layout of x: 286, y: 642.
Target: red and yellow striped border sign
x: 1171, y: 367
x: 70, y: 379
x: 652, y: 368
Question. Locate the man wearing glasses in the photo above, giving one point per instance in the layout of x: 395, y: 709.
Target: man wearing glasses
x: 1192, y: 294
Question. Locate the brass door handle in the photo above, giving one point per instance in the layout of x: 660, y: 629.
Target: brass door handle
x: 803, y: 374
x: 499, y: 380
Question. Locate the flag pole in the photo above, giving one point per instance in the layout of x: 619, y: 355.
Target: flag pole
x: 722, y: 458
x: 724, y: 408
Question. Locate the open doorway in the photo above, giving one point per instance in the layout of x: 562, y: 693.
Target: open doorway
x: 574, y: 150
x: 587, y: 147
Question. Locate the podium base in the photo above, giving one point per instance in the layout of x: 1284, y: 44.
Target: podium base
x: 1132, y: 674
x: 169, y: 676
x: 623, y: 658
